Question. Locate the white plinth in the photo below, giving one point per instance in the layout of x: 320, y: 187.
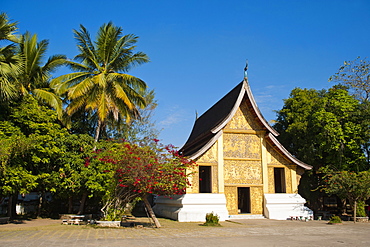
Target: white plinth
x: 191, y: 207
x: 282, y: 206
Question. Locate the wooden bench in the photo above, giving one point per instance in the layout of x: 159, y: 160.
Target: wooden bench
x: 4, y: 220
x: 72, y: 219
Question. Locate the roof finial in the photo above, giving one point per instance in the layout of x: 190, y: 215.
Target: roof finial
x: 246, y: 71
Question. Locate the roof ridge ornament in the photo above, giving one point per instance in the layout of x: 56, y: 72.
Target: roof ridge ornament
x: 246, y: 71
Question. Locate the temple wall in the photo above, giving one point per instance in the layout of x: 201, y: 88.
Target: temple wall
x: 209, y: 158
x: 244, y: 156
x: 240, y: 172
x: 242, y: 161
x: 242, y: 145
x: 257, y: 200
x: 277, y: 160
x: 231, y: 194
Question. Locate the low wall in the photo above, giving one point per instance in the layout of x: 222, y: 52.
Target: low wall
x: 191, y: 207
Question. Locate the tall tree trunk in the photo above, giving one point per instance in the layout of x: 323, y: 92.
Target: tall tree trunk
x: 81, y: 210
x: 150, y: 211
x: 70, y: 204
x: 97, y: 131
x: 12, y: 204
x: 354, y: 212
x: 40, y: 204
x: 343, y: 206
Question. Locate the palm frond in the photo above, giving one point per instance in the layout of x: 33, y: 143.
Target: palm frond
x: 87, y: 50
x: 81, y: 88
x: 75, y: 105
x: 54, y: 62
x: 129, y: 80
x: 8, y: 89
x: 63, y: 83
x: 108, y: 35
x: 49, y: 98
x: 10, y: 67
x: 78, y: 66
x: 122, y: 95
x: 7, y: 28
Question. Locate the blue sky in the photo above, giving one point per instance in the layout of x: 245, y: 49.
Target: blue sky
x: 198, y: 48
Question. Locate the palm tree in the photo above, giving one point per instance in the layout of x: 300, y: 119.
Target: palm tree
x: 7, y: 28
x: 35, y: 76
x: 100, y: 85
x: 9, y: 61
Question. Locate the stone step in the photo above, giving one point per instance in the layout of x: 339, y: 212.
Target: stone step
x: 246, y: 216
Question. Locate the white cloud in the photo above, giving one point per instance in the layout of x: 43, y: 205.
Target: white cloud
x: 171, y: 119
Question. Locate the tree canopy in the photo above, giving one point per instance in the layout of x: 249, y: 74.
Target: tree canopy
x: 38, y: 153
x: 356, y: 76
x: 323, y: 128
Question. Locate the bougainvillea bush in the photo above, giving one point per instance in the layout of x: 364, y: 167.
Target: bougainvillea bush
x: 143, y: 170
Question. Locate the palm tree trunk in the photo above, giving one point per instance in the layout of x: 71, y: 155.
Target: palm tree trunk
x: 150, y: 211
x: 97, y: 131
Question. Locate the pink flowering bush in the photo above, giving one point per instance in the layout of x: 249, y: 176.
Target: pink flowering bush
x: 143, y: 170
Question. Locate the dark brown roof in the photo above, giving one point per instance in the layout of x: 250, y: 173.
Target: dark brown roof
x: 208, y: 126
x: 202, y: 130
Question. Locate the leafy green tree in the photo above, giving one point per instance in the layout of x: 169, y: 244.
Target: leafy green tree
x: 356, y: 76
x: 39, y: 127
x: 14, y: 179
x: 75, y: 177
x: 348, y: 185
x: 101, y: 85
x: 322, y: 128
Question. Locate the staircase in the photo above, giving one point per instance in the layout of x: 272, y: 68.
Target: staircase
x: 246, y: 217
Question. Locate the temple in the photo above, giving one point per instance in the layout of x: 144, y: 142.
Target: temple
x: 243, y: 171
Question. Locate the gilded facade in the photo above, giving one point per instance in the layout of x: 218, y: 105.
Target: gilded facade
x: 237, y: 154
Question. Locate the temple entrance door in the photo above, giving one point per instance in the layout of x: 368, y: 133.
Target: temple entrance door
x: 205, y: 179
x: 279, y: 177
x: 244, y: 200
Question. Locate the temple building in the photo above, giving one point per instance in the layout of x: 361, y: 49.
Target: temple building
x: 243, y: 171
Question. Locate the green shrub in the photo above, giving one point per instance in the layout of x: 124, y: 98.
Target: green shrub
x: 114, y: 215
x: 335, y: 219
x: 360, y: 209
x: 212, y: 220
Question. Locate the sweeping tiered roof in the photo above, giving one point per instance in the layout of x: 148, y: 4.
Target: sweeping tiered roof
x: 208, y: 127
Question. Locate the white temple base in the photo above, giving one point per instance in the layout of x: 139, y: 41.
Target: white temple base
x: 284, y: 206
x: 191, y: 207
